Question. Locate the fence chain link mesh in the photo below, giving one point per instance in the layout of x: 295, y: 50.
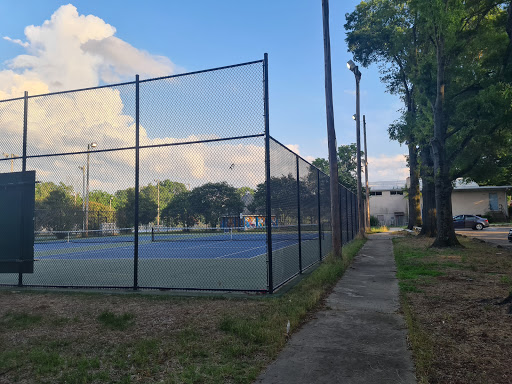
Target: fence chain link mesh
x: 201, y: 200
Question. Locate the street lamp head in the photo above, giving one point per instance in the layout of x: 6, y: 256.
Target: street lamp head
x: 351, y: 65
x: 94, y: 144
x: 354, y: 117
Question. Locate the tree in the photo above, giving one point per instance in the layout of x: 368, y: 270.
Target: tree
x: 383, y: 31
x: 57, y: 212
x: 167, y: 190
x: 452, y: 67
x: 347, y: 164
x: 464, y: 45
x: 283, y: 192
x: 179, y: 211
x: 126, y: 210
x: 214, y: 200
x: 244, y: 190
x: 100, y: 197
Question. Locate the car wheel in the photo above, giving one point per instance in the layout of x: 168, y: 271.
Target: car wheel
x: 479, y: 226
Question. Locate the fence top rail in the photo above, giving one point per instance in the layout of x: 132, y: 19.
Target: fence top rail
x: 202, y: 71
x: 133, y: 82
x: 307, y: 162
x: 134, y: 147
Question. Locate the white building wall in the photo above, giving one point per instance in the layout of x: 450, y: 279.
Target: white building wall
x: 470, y: 202
x: 476, y: 202
x: 386, y: 206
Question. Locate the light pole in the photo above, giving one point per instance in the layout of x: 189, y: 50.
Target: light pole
x: 158, y: 202
x: 12, y: 156
x: 83, y: 194
x: 366, y: 175
x: 89, y: 146
x: 354, y: 68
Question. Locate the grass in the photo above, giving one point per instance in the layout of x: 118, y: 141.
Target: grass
x: 97, y: 338
x: 447, y: 294
x: 378, y: 229
x: 19, y: 320
x: 117, y: 322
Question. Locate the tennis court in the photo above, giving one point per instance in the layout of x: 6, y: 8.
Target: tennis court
x: 201, y: 259
x: 188, y: 150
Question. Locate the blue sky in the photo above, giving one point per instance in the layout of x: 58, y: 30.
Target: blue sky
x: 196, y: 35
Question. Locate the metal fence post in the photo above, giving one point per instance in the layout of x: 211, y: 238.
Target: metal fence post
x: 354, y: 222
x: 319, y: 214
x: 24, y: 163
x: 351, y: 217
x: 136, y: 213
x: 341, y: 213
x: 346, y: 214
x: 299, y: 219
x: 267, y: 177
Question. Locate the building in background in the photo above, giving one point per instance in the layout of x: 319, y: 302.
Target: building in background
x: 389, y: 204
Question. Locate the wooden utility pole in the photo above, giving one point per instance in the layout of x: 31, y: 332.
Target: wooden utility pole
x: 331, y: 136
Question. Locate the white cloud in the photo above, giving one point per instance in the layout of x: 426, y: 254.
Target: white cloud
x: 387, y: 168
x: 76, y: 51
x: 17, y: 41
x: 294, y: 148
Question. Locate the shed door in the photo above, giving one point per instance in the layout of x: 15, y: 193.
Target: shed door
x: 493, y: 201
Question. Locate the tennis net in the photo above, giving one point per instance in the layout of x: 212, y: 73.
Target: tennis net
x: 116, y: 235
x: 281, y: 233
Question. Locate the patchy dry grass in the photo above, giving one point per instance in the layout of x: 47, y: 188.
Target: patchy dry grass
x: 458, y: 308
x: 378, y: 229
x: 51, y: 337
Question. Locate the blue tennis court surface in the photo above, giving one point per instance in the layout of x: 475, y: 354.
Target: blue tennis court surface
x: 193, y: 249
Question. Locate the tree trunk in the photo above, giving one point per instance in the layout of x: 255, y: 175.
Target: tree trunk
x: 428, y: 227
x: 414, y: 188
x: 443, y: 184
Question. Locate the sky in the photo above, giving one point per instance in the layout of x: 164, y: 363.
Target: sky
x: 48, y: 46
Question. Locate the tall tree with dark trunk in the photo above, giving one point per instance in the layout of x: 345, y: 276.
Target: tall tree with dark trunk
x: 384, y: 31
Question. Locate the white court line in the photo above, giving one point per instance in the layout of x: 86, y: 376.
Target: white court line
x: 245, y: 250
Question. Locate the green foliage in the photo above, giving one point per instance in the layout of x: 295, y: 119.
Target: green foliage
x: 208, y: 202
x: 100, y: 197
x: 281, y: 189
x: 179, y: 211
x: 57, y: 211
x: 242, y: 191
x: 18, y: 320
x: 347, y: 165
x: 450, y: 62
x: 214, y: 200
x: 126, y: 208
x: 374, y: 222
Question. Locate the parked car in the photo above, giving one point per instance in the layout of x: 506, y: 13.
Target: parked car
x: 510, y: 235
x: 470, y: 221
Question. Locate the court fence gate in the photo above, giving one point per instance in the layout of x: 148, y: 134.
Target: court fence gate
x: 168, y: 183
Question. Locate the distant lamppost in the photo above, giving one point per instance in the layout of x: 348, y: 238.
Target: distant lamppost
x: 354, y: 68
x: 89, y: 146
x: 83, y: 195
x: 158, y: 202
x: 110, y: 203
x: 12, y: 156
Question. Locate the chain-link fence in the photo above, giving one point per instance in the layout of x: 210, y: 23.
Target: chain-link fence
x: 168, y: 183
